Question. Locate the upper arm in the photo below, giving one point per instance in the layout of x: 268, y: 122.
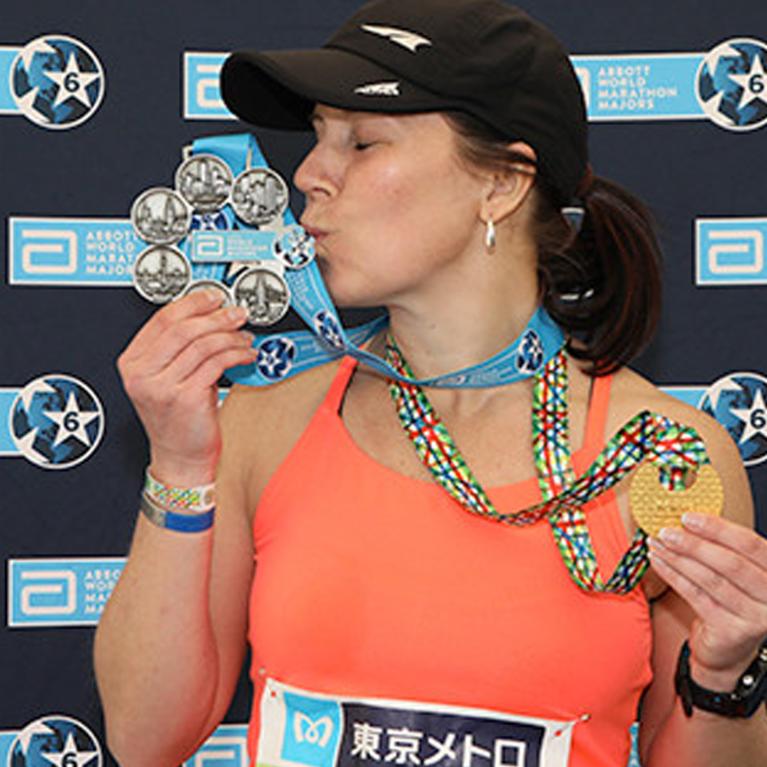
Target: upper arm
x: 259, y: 428
x: 672, y: 618
x: 232, y: 563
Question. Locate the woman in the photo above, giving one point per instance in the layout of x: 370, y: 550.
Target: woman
x: 450, y: 136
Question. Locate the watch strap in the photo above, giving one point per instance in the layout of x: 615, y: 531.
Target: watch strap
x: 749, y: 693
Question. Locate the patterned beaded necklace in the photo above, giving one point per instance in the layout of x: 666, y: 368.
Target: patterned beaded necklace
x: 675, y: 449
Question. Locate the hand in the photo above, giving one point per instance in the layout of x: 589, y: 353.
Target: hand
x: 720, y: 569
x: 170, y: 370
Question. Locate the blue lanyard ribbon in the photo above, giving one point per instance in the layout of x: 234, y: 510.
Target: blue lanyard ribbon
x: 282, y: 355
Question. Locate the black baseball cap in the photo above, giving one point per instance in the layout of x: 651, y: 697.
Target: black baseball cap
x: 482, y: 57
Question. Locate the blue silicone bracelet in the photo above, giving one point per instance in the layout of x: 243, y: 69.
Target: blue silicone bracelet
x: 181, y: 523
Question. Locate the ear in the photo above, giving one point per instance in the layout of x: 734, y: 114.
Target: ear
x: 507, y: 190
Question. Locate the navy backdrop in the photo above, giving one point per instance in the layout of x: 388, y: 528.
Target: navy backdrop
x: 96, y: 101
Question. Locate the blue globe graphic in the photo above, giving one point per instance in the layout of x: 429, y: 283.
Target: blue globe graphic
x: 530, y: 355
x: 737, y: 401
x: 295, y: 248
x: 209, y: 222
x: 329, y: 330
x: 56, y: 421
x: 275, y: 358
x: 731, y: 84
x: 66, y: 740
x: 57, y: 81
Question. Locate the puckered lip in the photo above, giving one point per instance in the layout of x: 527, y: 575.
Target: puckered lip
x: 313, y: 231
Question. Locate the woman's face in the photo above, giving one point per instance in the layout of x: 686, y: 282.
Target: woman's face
x: 390, y: 204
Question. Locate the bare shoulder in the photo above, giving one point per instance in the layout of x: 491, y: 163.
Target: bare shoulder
x: 632, y: 393
x: 261, y: 424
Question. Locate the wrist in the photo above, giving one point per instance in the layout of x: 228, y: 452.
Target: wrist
x: 724, y: 678
x: 178, y: 473
x: 740, y: 699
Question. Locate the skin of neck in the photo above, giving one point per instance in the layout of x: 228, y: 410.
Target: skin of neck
x: 468, y: 313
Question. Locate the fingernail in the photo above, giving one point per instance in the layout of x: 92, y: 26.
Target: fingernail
x: 693, y: 521
x: 670, y: 535
x: 656, y: 557
x: 248, y: 337
x: 237, y: 313
x: 214, y: 297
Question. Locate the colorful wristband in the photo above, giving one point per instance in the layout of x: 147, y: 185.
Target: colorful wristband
x: 194, y: 499
x: 182, y: 523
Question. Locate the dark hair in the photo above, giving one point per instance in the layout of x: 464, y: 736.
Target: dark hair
x: 600, y: 282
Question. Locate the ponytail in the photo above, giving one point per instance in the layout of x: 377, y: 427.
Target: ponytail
x: 602, y: 284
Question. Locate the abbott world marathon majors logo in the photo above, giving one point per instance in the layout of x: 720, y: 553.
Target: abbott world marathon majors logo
x: 53, y: 740
x: 725, y: 85
x: 55, y: 421
x: 55, y: 81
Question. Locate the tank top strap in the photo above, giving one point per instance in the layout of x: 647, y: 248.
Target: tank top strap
x: 335, y: 395
x: 596, y: 419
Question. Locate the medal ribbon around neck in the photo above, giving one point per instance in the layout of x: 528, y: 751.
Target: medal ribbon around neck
x: 674, y: 448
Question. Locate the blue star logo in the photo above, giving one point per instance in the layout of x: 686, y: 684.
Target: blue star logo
x: 732, y: 84
x: 57, y: 82
x: 55, y: 740
x: 739, y: 402
x: 295, y: 248
x: 56, y: 421
x: 275, y: 358
x: 328, y: 330
x: 530, y: 354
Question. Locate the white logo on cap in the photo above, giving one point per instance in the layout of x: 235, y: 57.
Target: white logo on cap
x: 409, y: 40
x: 378, y: 89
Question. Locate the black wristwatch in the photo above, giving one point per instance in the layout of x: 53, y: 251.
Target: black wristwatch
x: 749, y: 693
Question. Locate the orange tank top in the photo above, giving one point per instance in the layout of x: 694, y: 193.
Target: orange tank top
x: 372, y: 584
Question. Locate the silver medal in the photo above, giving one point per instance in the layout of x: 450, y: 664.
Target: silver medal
x: 161, y: 273
x: 294, y: 247
x: 195, y: 287
x: 161, y: 216
x: 259, y: 196
x: 264, y: 292
x: 204, y: 181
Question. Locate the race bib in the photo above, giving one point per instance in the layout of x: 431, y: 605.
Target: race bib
x: 307, y: 729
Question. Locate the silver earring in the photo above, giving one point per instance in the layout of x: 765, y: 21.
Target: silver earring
x: 490, y: 235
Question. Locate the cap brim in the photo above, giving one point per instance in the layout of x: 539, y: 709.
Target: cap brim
x: 278, y: 89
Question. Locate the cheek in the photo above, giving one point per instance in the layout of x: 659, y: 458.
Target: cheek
x: 394, y: 188
x: 420, y: 196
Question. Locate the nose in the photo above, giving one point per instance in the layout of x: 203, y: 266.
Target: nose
x: 317, y: 175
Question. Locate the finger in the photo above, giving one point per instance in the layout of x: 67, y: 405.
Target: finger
x: 726, y: 533
x: 744, y: 573
x: 205, y: 348
x: 208, y: 373
x: 178, y: 336
x: 201, y: 302
x: 714, y: 597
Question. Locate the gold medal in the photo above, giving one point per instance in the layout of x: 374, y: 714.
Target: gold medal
x: 654, y: 507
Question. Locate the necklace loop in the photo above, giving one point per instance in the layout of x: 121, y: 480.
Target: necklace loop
x: 674, y: 448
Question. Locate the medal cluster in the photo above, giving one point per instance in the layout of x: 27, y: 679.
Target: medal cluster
x: 215, y: 230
